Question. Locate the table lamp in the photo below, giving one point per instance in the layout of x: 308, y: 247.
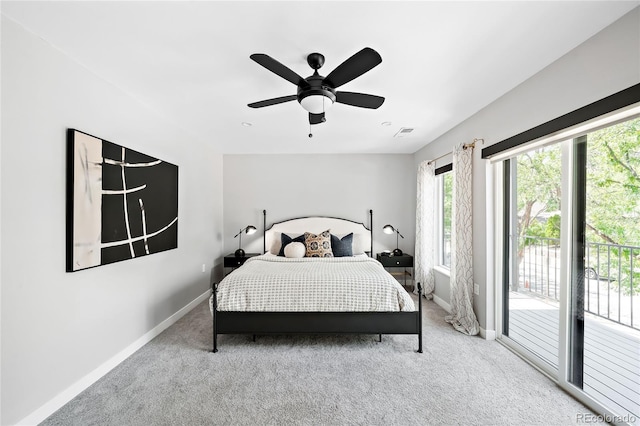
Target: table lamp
x: 250, y: 229
x: 388, y: 229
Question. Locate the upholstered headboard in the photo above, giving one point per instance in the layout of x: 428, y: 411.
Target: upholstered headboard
x: 363, y: 235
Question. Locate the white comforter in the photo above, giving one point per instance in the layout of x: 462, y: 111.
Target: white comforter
x: 342, y: 284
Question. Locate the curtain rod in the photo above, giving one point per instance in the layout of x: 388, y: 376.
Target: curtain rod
x: 469, y: 145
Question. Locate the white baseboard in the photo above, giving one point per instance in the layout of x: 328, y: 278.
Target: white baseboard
x: 487, y: 334
x: 72, y: 391
x: 440, y: 302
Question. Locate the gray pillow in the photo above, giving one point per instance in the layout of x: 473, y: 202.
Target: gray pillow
x: 342, y: 247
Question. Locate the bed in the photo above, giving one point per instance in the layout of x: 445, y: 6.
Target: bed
x: 287, y: 294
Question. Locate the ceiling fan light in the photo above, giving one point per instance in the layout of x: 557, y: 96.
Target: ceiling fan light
x: 316, y: 104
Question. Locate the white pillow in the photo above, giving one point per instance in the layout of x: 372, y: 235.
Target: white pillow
x: 276, y: 243
x: 359, y: 244
x: 295, y: 250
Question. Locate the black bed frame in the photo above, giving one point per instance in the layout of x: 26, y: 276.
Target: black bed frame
x: 237, y: 322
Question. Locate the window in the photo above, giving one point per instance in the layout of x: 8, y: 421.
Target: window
x: 445, y: 190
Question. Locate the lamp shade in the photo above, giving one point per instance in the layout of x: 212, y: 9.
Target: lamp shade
x: 316, y: 104
x: 388, y: 229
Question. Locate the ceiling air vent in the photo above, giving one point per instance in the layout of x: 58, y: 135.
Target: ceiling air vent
x: 404, y: 131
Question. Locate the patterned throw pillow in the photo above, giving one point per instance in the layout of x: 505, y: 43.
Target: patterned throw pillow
x: 318, y: 245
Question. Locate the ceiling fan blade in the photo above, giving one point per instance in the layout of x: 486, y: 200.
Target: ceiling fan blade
x: 361, y: 100
x: 277, y: 68
x: 353, y: 67
x: 274, y: 101
x: 316, y: 118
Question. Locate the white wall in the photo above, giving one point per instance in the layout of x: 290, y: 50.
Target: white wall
x: 603, y: 65
x: 342, y: 185
x: 58, y: 327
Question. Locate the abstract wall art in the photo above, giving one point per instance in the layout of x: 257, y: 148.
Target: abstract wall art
x: 121, y: 204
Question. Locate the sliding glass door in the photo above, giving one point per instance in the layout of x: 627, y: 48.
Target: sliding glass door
x: 609, y: 164
x: 571, y: 264
x: 531, y: 295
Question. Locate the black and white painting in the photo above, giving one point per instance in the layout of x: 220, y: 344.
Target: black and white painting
x: 121, y: 204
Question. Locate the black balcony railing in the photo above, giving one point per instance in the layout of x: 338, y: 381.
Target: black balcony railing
x: 612, y: 277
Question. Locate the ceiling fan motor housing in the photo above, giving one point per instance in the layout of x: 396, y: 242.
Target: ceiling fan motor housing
x: 315, y: 89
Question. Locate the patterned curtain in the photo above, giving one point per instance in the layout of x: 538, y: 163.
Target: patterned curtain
x: 425, y: 236
x: 462, y: 316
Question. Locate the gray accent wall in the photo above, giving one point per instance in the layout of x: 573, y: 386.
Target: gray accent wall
x: 59, y: 328
x: 341, y: 185
x: 603, y: 65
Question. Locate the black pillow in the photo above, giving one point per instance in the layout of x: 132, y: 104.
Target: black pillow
x: 285, y: 239
x: 342, y: 247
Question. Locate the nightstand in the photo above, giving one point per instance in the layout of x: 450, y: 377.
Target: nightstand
x: 394, y: 263
x: 233, y: 262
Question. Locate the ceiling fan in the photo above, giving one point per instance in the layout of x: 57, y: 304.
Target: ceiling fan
x: 317, y: 93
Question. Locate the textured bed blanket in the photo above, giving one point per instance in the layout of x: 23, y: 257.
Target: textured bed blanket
x: 342, y: 284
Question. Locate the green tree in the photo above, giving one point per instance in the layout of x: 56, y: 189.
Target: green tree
x: 613, y: 184
x: 538, y: 177
x: 613, y: 196
x: 447, y: 190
